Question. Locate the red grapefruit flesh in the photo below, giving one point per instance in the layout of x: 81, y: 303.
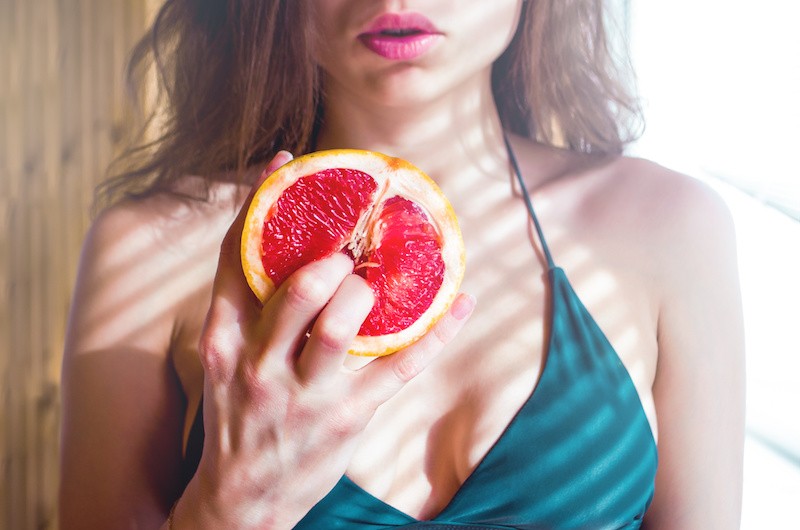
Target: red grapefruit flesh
x: 384, y: 213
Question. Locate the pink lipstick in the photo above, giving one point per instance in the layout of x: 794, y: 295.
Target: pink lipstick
x: 400, y: 36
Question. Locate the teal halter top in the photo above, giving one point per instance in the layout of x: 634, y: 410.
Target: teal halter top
x: 578, y: 454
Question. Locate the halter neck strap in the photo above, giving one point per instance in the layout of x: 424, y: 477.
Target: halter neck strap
x: 529, y: 203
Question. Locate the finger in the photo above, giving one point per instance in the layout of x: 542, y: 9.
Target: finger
x: 334, y: 330
x: 384, y: 377
x: 232, y: 303
x: 231, y: 244
x: 288, y: 314
x: 231, y: 298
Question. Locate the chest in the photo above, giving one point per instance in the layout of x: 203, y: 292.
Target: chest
x: 424, y: 444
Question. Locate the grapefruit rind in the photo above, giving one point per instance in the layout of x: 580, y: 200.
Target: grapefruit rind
x: 403, y: 179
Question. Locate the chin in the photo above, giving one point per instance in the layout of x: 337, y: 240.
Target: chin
x: 409, y: 87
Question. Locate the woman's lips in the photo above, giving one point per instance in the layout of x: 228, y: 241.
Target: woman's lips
x: 400, y: 36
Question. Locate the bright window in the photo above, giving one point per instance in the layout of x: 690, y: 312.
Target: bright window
x: 721, y: 84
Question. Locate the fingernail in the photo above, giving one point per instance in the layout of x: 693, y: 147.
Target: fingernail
x: 463, y: 306
x: 285, y: 154
x: 341, y: 259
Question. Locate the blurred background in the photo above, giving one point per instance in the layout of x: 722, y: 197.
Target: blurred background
x: 721, y: 87
x: 720, y: 81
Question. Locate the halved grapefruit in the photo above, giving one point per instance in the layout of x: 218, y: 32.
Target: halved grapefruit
x: 383, y: 212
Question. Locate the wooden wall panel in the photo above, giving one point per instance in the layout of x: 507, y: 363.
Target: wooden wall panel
x: 61, y: 112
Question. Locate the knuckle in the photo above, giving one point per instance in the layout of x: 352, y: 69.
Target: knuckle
x: 339, y: 427
x: 350, y: 418
x: 332, y: 334
x: 444, y: 332
x: 213, y: 356
x: 307, y: 290
x: 406, y: 366
x: 255, y: 387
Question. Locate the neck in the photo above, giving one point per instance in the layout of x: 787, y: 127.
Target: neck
x: 447, y: 138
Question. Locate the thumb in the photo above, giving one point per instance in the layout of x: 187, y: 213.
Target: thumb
x: 231, y: 298
x: 229, y: 253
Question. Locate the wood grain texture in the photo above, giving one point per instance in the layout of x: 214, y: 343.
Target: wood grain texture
x: 62, y: 110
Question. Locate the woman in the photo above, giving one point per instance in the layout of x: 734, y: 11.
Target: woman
x: 607, y: 314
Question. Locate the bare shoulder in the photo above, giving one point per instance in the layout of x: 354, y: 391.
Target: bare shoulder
x: 163, y: 221
x: 674, y: 199
x: 665, y: 200
x: 672, y: 231
x: 661, y: 232
x: 628, y: 210
x: 144, y: 257
x: 676, y: 222
x: 619, y: 193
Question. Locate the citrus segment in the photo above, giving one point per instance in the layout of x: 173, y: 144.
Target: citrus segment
x: 386, y: 214
x: 405, y: 268
x: 314, y: 217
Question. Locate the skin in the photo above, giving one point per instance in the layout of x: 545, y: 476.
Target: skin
x: 651, y: 253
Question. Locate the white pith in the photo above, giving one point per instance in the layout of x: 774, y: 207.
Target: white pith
x: 367, y: 229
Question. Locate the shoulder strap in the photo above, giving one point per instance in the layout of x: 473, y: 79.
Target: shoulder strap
x: 529, y: 204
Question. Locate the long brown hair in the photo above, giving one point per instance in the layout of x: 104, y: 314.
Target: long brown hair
x: 564, y: 81
x: 235, y: 85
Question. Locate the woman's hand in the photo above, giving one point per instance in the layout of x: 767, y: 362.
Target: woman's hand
x: 282, y: 415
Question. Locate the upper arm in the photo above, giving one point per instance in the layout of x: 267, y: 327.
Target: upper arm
x: 122, y: 405
x: 699, y: 384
